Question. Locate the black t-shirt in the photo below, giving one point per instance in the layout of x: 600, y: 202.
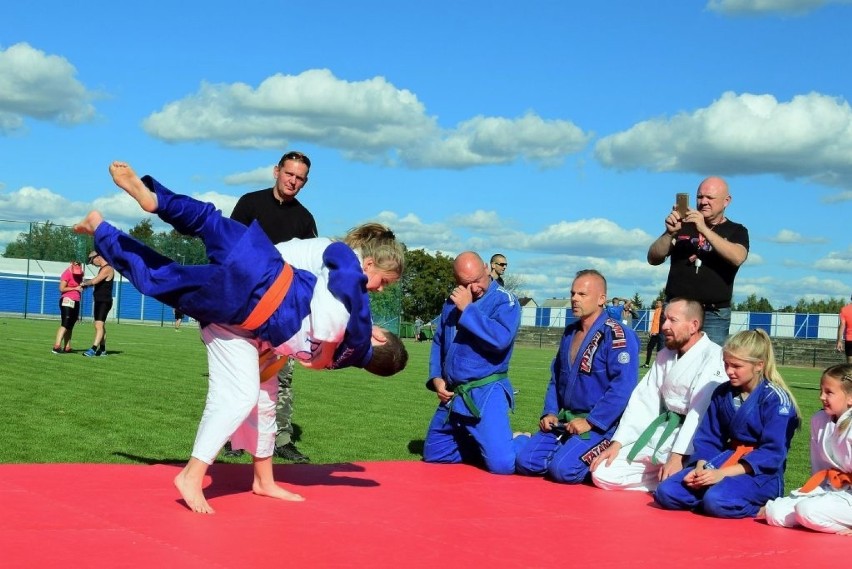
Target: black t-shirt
x: 713, y: 282
x: 281, y: 221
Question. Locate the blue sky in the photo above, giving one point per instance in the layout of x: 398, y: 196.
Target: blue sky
x: 556, y: 132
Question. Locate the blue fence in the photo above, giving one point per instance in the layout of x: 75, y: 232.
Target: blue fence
x: 776, y: 324
x: 38, y: 296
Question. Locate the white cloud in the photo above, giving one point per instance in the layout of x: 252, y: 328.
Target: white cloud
x: 41, y: 205
x: 836, y: 262
x: 754, y: 7
x: 787, y: 236
x: 807, y: 137
x: 839, y: 197
x: 258, y: 177
x: 368, y: 121
x: 40, y: 86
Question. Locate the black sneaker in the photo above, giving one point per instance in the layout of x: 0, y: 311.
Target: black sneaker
x: 290, y: 453
x: 231, y: 452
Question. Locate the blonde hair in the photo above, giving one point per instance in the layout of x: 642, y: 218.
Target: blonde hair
x: 378, y: 242
x: 755, y: 346
x: 843, y: 374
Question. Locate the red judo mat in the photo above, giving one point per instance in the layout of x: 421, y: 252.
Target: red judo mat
x: 384, y: 514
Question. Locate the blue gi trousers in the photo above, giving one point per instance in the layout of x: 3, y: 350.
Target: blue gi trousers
x: 560, y: 461
x: 456, y: 437
x: 734, y: 497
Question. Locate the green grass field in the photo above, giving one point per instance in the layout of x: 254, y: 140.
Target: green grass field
x: 141, y: 403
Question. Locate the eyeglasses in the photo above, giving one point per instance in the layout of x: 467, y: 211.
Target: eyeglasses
x: 501, y: 264
x: 92, y: 258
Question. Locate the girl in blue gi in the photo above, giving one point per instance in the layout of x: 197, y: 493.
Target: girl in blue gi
x: 742, y: 443
x: 824, y: 503
x: 257, y: 307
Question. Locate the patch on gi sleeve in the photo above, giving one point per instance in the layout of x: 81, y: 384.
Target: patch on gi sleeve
x: 619, y: 340
x: 624, y: 358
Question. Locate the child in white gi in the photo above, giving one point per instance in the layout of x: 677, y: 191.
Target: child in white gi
x: 824, y: 503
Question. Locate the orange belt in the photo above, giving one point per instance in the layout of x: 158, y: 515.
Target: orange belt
x: 739, y: 452
x: 272, y: 369
x: 837, y: 479
x: 270, y: 300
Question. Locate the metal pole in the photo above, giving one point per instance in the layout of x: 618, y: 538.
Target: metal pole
x: 27, y: 280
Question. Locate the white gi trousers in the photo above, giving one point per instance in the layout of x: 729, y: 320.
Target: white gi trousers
x: 238, y: 405
x: 682, y: 384
x: 824, y: 509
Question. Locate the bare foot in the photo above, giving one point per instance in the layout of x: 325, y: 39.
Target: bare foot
x: 126, y: 179
x: 273, y: 490
x: 190, y: 490
x: 89, y: 223
x: 761, y: 513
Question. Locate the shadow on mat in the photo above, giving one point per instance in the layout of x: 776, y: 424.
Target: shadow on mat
x: 151, y: 461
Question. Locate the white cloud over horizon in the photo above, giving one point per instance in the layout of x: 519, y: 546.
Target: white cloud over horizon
x: 39, y: 86
x: 809, y: 137
x: 370, y: 121
x: 759, y: 7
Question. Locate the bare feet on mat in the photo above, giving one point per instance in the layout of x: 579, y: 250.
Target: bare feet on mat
x: 190, y: 491
x: 126, y: 179
x: 273, y: 490
x: 89, y: 223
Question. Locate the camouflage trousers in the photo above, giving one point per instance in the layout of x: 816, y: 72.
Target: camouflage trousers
x: 284, y: 405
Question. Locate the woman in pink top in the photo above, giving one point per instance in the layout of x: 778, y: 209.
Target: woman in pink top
x: 844, y: 332
x: 70, y: 288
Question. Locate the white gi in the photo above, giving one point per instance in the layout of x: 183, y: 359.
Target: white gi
x: 825, y: 509
x: 683, y: 385
x: 240, y: 407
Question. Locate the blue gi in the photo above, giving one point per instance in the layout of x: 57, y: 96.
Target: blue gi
x: 766, y: 420
x: 469, y: 346
x: 599, y: 382
x: 243, y: 264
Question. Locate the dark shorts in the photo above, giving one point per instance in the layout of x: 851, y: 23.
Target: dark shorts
x: 102, y: 308
x: 70, y: 315
x: 849, y: 348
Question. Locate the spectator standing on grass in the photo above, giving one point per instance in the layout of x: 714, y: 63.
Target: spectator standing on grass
x: 615, y: 310
x: 844, y: 331
x: 418, y: 329
x: 469, y: 371
x: 178, y: 319
x: 629, y: 313
x: 102, y: 285
x: 498, y: 268
x: 655, y: 339
x: 706, y: 250
x: 70, y: 293
x: 282, y: 217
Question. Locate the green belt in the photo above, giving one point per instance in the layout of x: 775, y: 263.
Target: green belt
x: 463, y: 390
x: 672, y: 421
x: 566, y: 416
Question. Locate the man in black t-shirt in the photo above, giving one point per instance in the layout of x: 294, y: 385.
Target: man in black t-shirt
x: 282, y: 217
x: 706, y: 250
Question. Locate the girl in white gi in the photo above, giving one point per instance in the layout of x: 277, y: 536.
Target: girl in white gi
x: 741, y: 445
x: 824, y: 503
